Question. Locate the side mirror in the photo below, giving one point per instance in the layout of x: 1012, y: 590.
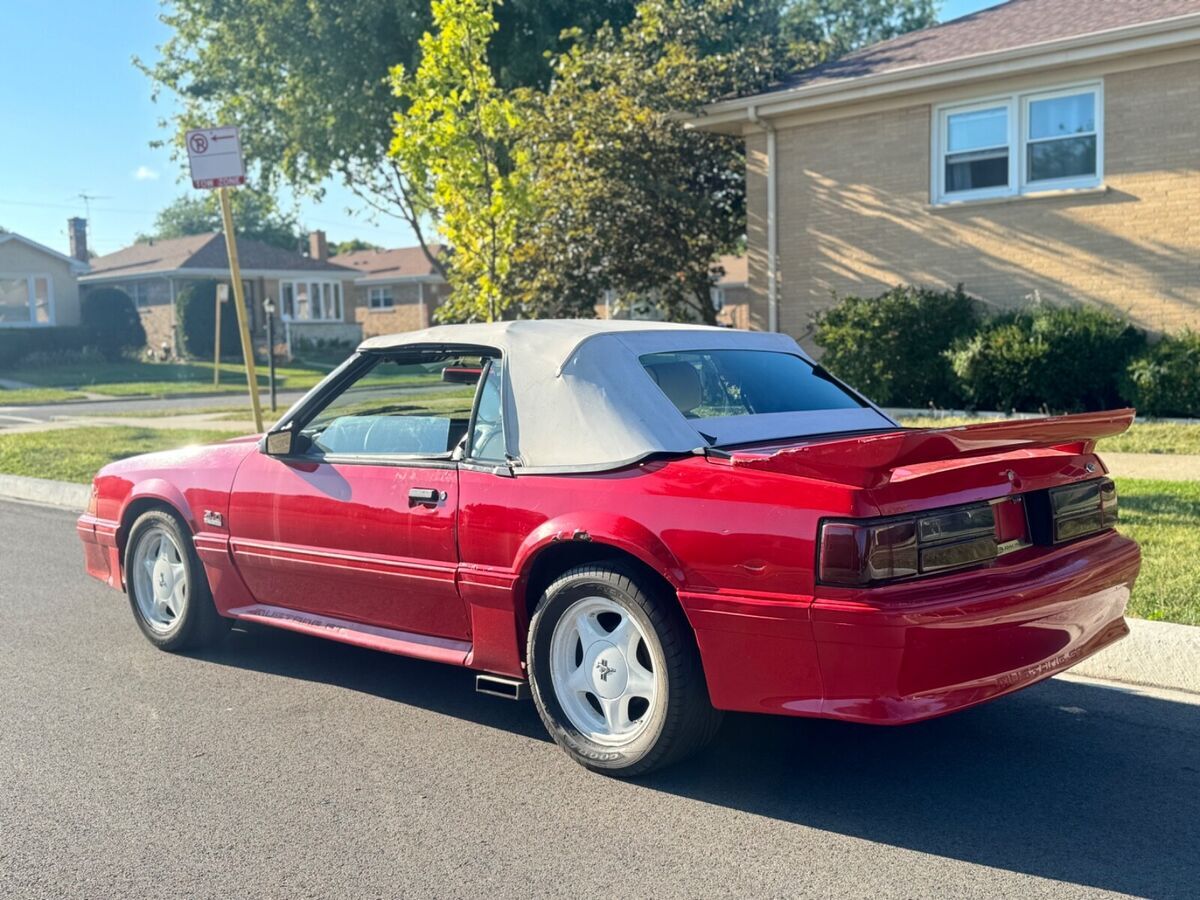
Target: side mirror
x: 279, y: 443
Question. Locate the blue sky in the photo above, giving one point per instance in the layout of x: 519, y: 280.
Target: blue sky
x: 78, y: 119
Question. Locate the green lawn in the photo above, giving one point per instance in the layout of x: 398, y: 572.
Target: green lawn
x: 129, y: 378
x: 76, y: 454
x: 36, y: 396
x: 1142, y: 437
x: 1164, y: 517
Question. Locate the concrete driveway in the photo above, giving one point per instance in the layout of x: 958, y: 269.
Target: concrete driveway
x: 284, y: 766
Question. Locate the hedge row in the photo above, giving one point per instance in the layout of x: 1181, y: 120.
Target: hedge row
x: 109, y: 324
x: 916, y: 347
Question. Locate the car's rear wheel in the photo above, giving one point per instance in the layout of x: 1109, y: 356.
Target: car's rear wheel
x: 168, y: 591
x: 615, y: 673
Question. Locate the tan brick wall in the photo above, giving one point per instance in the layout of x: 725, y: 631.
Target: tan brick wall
x: 407, y: 313
x: 855, y: 216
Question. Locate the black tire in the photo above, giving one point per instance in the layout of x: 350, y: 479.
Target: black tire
x: 199, y: 624
x: 682, y: 719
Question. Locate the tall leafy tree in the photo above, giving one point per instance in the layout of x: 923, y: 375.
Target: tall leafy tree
x: 834, y: 27
x: 458, y: 144
x: 309, y: 80
x: 629, y: 201
x: 255, y: 215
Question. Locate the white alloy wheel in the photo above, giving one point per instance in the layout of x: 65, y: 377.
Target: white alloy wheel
x: 606, y: 675
x: 160, y: 581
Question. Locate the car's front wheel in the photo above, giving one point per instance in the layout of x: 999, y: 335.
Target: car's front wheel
x: 615, y: 673
x: 167, y: 588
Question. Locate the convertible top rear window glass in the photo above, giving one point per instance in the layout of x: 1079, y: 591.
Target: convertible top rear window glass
x: 705, y: 384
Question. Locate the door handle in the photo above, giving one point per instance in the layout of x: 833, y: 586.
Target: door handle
x: 424, y: 496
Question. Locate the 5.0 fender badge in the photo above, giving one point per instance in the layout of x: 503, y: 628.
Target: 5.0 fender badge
x: 213, y: 518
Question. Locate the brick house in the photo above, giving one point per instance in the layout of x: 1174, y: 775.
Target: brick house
x: 395, y: 290
x: 1048, y: 146
x: 314, y: 298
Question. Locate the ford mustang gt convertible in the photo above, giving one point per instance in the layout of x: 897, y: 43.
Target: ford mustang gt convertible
x: 640, y: 525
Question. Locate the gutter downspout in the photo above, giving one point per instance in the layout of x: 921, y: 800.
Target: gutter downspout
x: 772, y: 222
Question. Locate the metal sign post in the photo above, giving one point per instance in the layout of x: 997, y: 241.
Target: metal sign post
x: 222, y: 298
x: 269, y: 309
x: 215, y: 158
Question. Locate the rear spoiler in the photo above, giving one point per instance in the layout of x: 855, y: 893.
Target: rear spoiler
x: 869, y: 460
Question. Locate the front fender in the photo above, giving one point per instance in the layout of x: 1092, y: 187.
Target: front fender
x: 161, y: 491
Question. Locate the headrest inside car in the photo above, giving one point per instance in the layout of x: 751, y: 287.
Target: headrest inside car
x: 680, y: 382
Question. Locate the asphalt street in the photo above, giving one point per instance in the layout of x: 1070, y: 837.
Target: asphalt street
x: 286, y: 766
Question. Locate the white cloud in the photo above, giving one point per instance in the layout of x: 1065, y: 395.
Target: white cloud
x: 145, y: 173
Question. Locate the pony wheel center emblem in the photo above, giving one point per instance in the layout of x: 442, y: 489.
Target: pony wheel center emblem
x: 604, y: 669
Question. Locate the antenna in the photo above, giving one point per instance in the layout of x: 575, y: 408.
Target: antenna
x: 87, y: 201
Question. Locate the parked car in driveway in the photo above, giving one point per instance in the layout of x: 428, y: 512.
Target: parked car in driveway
x: 642, y: 525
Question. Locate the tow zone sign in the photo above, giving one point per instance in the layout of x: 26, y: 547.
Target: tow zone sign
x: 215, y: 157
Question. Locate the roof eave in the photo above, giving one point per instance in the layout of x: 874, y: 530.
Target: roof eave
x: 730, y: 116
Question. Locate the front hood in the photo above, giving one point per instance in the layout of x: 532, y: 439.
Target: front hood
x: 222, y: 454
x: 872, y: 461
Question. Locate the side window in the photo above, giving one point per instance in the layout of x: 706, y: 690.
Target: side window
x: 487, y: 433
x: 394, y: 409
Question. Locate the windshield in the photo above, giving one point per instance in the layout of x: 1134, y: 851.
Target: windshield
x: 705, y: 384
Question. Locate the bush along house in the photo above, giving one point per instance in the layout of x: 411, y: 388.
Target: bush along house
x: 314, y: 297
x: 1046, y: 148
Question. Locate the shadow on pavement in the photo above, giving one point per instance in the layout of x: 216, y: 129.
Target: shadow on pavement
x: 1069, y: 781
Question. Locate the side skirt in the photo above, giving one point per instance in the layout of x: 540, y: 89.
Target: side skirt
x: 402, y: 643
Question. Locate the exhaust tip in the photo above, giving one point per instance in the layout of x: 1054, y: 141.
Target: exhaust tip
x: 499, y: 686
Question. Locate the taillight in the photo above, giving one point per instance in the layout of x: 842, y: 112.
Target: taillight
x: 857, y: 553
x: 1084, y: 508
x: 93, y: 500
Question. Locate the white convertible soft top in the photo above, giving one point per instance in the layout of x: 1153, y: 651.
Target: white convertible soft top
x: 577, y: 398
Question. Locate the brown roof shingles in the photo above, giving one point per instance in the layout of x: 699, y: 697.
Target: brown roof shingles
x: 204, y: 251
x: 385, y: 265
x: 1009, y: 26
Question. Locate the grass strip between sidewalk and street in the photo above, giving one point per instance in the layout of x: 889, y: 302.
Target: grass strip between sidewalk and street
x: 76, y: 454
x: 1164, y: 518
x: 36, y: 396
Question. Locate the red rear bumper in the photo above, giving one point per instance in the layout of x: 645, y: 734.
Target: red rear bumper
x: 911, y: 651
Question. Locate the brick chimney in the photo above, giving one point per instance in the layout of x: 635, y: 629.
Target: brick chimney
x: 317, y: 246
x: 77, y: 230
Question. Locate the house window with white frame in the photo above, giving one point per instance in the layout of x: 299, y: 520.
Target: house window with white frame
x: 1019, y: 144
x: 310, y: 301
x: 380, y: 298
x: 26, y: 301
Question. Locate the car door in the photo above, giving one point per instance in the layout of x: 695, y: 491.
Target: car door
x: 357, y: 520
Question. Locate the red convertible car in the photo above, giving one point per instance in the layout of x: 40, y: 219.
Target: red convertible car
x: 641, y: 525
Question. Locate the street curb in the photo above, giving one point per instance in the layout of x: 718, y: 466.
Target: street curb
x: 60, y: 494
x: 1155, y: 654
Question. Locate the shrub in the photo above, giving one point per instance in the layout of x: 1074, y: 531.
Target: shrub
x: 1165, y: 380
x: 892, y: 347
x: 111, y: 320
x: 195, y: 313
x: 17, y: 344
x: 1062, y: 359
